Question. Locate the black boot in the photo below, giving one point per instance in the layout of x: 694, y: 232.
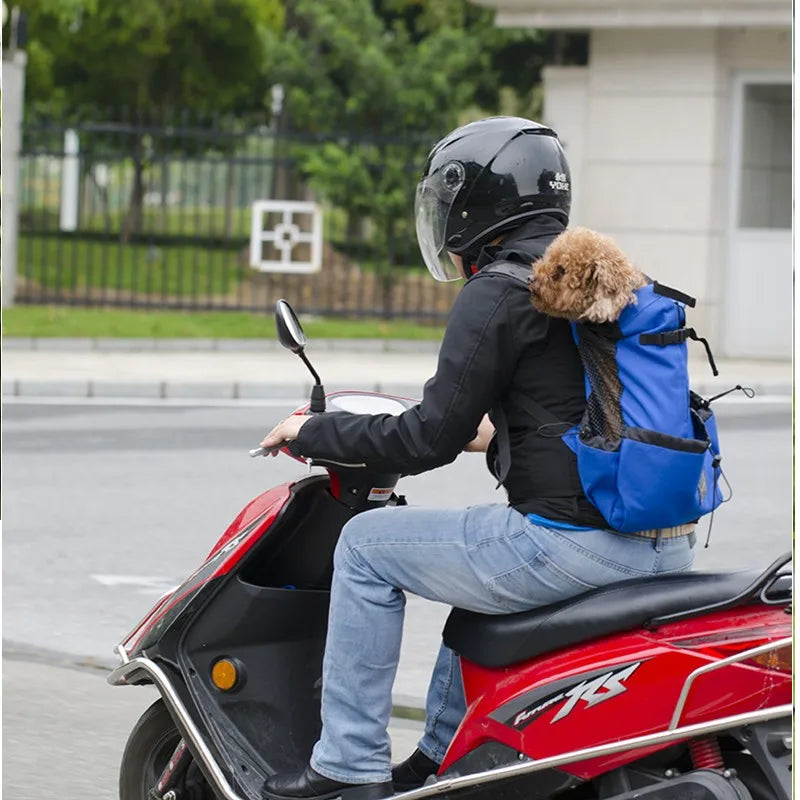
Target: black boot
x: 310, y: 785
x: 413, y: 772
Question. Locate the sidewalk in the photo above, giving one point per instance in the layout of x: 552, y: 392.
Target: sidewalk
x: 45, y: 704
x: 261, y: 369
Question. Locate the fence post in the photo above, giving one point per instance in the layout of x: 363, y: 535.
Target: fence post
x: 12, y: 103
x: 70, y: 182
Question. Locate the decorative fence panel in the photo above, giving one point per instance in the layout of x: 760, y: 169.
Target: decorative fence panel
x: 141, y: 215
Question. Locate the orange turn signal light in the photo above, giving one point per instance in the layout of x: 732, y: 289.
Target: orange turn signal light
x: 780, y: 659
x: 225, y: 674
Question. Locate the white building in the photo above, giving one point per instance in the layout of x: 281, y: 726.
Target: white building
x: 679, y: 135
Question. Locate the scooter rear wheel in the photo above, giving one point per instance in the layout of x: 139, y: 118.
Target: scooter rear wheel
x: 151, y: 744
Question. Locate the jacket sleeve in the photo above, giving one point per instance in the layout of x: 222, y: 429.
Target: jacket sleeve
x: 476, y: 362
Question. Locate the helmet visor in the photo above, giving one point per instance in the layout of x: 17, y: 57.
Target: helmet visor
x: 435, y: 196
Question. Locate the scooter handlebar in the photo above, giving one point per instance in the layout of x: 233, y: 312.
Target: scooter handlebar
x: 265, y: 451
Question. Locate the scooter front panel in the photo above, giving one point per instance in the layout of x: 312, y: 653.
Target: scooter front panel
x: 270, y: 720
x: 270, y: 618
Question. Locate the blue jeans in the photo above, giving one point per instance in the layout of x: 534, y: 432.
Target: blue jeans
x: 487, y: 558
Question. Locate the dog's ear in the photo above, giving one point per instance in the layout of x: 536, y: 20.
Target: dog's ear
x: 615, y: 280
x: 607, y: 275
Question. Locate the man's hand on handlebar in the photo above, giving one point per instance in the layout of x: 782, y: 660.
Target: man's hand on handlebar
x: 284, y: 431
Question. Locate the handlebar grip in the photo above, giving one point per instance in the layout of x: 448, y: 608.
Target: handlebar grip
x: 264, y: 451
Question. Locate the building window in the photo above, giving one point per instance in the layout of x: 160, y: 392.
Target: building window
x: 568, y: 48
x: 765, y: 198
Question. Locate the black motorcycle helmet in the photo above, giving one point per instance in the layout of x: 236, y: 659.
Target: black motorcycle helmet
x: 483, y: 179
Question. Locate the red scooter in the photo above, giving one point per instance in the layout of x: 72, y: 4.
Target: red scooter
x: 657, y: 689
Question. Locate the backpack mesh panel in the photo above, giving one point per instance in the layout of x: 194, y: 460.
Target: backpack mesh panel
x: 603, y: 412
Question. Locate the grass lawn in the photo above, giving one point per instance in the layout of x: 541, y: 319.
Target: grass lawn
x: 175, y: 270
x: 188, y: 220
x: 59, y: 321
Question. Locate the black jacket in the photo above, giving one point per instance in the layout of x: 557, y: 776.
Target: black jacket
x: 495, y: 344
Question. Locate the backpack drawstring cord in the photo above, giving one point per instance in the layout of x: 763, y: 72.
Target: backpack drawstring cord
x: 748, y: 393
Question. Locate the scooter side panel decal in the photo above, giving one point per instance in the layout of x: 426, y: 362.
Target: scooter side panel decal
x: 592, y: 687
x: 601, y: 689
x: 531, y: 694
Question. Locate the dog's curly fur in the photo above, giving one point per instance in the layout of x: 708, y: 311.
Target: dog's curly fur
x: 584, y: 275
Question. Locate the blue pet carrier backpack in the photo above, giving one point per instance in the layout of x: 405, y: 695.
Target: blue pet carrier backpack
x: 647, y: 446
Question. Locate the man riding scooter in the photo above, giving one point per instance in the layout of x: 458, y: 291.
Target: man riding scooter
x: 494, y: 191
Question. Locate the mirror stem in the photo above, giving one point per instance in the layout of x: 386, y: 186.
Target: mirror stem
x: 310, y: 368
x: 317, y: 405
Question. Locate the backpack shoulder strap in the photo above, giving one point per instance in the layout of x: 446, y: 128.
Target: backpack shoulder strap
x: 537, y: 411
x: 518, y: 272
x: 543, y: 418
x: 674, y: 294
x: 521, y: 273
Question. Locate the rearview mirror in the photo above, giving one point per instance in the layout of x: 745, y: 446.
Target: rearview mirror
x: 290, y: 332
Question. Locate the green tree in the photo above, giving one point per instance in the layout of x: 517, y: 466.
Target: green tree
x: 512, y: 82
x: 348, y: 71
x: 347, y: 67
x: 381, y: 80
x: 207, y: 55
x: 152, y: 56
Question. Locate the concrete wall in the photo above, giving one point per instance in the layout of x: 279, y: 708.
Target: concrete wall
x: 566, y: 107
x: 596, y: 14
x: 650, y: 150
x: 650, y: 162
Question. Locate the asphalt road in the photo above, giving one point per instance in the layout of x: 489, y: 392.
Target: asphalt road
x: 105, y: 507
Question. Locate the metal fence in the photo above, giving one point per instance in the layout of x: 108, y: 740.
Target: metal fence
x: 127, y: 212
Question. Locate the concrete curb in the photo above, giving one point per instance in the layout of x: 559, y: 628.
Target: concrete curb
x: 766, y: 380
x: 180, y: 390
x: 240, y: 390
x: 215, y: 345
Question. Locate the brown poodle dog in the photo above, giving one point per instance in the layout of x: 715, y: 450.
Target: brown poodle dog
x: 584, y: 275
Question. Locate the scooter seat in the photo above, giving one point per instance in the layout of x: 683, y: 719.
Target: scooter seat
x: 499, y: 640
